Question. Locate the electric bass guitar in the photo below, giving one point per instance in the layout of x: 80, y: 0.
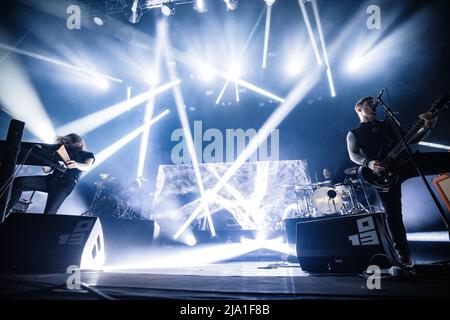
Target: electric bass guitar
x: 385, y: 179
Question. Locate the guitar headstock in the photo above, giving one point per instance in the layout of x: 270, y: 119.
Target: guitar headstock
x: 441, y: 103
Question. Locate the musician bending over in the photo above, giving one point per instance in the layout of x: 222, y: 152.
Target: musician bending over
x: 57, y: 185
x: 369, y: 144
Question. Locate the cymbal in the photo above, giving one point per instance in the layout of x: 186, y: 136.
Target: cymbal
x: 321, y: 183
x: 351, y: 171
x: 297, y: 187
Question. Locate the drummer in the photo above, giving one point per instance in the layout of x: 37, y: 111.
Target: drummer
x: 327, y: 178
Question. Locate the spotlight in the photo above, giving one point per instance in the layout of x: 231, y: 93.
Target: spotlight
x: 200, y: 6
x: 152, y: 79
x: 206, y: 72
x: 354, y: 64
x: 269, y: 2
x: 135, y: 16
x: 101, y: 83
x: 98, y: 21
x: 136, y: 12
x: 231, y: 4
x: 168, y: 10
x: 294, y: 67
x: 234, y: 71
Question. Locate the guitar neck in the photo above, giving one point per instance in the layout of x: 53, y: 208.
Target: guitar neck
x: 408, y: 138
x: 437, y: 106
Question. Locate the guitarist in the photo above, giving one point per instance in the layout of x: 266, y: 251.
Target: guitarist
x: 366, y: 144
x: 58, y: 186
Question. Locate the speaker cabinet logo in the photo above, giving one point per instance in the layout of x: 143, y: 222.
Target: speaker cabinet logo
x: 367, y: 235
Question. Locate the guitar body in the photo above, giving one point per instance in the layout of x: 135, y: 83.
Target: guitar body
x: 381, y: 181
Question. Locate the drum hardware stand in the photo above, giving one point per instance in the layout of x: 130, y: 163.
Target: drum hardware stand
x: 394, y: 122
x: 352, y: 195
x: 331, y: 195
x: 366, y: 196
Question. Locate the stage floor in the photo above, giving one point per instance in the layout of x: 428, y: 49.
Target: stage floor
x: 265, y: 279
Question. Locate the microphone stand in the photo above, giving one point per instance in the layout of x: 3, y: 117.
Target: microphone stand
x: 394, y: 122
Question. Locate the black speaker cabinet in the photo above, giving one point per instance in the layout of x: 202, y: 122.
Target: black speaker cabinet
x: 50, y: 243
x: 124, y: 236
x: 346, y: 244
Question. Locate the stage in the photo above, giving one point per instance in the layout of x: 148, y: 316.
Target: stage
x: 237, y: 279
x: 225, y: 150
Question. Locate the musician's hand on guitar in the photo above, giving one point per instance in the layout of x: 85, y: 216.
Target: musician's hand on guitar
x: 429, y: 118
x: 71, y: 164
x: 376, y: 166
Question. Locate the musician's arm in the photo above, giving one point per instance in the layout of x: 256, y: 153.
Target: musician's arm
x: 354, y: 151
x: 80, y: 166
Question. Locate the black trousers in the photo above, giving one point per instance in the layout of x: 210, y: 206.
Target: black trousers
x: 58, y: 190
x: 430, y: 163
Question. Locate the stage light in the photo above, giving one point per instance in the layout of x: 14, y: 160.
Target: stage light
x: 183, y: 257
x: 98, y: 21
x: 19, y: 99
x: 433, y: 236
x: 181, y: 108
x: 234, y: 71
x: 267, y: 31
x: 206, y: 72
x: 149, y: 109
x: 136, y: 12
x: 105, y: 154
x: 294, y: 67
x: 354, y: 64
x: 200, y: 6
x: 60, y: 63
x: 324, y: 47
x: 225, y: 85
x: 310, y: 32
x: 96, y: 119
x: 152, y: 79
x: 269, y: 2
x: 231, y: 4
x: 101, y: 83
x: 434, y: 145
x: 191, y: 241
x: 168, y: 9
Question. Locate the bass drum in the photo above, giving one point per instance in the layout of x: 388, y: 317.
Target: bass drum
x: 327, y: 201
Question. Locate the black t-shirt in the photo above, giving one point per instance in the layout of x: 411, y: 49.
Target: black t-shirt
x: 78, y: 156
x: 375, y: 137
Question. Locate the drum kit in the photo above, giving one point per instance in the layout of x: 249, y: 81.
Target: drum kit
x: 323, y: 198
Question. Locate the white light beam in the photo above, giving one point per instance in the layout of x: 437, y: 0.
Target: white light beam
x: 310, y: 32
x: 116, y: 146
x: 266, y: 34
x: 96, y: 119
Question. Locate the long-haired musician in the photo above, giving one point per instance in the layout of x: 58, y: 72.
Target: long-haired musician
x: 57, y: 185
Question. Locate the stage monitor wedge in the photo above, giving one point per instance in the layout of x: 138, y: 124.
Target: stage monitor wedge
x: 50, y: 243
x: 345, y: 244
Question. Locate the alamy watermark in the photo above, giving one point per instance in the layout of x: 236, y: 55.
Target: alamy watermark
x: 374, y: 280
x: 73, y: 282
x: 373, y: 22
x: 213, y: 145
x: 73, y: 21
